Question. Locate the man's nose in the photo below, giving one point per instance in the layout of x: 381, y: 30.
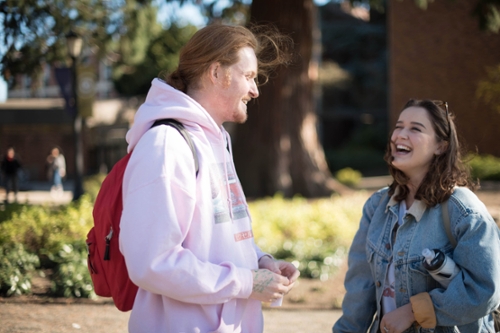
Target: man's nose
x: 254, y: 91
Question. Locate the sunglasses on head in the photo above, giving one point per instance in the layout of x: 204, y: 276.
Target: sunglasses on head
x: 444, y: 106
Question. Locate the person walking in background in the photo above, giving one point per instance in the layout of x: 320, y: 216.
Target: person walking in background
x: 388, y: 288
x: 56, y: 169
x: 187, y: 238
x: 10, y: 167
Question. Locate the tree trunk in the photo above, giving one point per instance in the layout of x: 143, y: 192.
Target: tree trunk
x: 278, y: 150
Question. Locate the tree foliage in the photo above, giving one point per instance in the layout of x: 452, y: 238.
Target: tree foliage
x: 126, y: 32
x: 34, y: 30
x: 487, y: 13
x: 161, y: 54
x: 488, y: 89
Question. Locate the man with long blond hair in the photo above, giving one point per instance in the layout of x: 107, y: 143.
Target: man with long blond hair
x: 187, y: 237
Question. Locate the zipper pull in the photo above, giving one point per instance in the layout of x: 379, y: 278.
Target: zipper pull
x: 108, y: 239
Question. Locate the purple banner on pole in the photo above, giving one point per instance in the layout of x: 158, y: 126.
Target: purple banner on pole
x: 64, y: 77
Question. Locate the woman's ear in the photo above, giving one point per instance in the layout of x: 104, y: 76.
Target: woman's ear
x: 443, y: 146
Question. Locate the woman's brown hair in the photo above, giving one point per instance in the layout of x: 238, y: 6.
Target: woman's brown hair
x: 221, y: 43
x: 447, y: 169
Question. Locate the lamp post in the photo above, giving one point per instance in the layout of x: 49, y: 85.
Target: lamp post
x: 74, y: 43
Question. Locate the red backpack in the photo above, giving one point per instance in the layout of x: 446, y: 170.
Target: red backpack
x: 105, y: 261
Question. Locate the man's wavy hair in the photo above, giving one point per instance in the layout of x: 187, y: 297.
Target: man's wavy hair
x: 446, y: 170
x: 221, y: 43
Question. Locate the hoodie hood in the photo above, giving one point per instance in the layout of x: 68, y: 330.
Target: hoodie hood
x: 164, y: 101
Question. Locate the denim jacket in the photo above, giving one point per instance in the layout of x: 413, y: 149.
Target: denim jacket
x: 464, y: 306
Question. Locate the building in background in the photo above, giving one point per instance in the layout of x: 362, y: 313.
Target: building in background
x: 34, y: 119
x: 440, y: 53
x: 353, y: 76
x: 46, y: 85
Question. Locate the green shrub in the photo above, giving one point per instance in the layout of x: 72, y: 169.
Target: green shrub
x: 313, y: 234
x: 44, y: 230
x: 56, y: 237
x: 16, y: 269
x: 348, y: 176
x: 7, y: 211
x: 71, y: 277
x: 485, y: 167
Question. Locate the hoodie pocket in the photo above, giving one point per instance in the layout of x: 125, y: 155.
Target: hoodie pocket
x: 229, y: 320
x: 420, y: 279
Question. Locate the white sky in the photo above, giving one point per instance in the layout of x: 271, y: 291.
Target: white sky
x: 190, y: 13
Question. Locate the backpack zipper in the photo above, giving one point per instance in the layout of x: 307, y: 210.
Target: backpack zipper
x: 108, y: 239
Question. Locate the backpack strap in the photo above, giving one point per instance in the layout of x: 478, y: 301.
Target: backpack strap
x: 447, y: 223
x: 182, y: 130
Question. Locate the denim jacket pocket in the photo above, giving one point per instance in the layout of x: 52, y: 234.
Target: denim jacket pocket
x: 371, y: 258
x: 421, y: 281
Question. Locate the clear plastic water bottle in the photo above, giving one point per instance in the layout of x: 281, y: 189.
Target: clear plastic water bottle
x: 441, y: 267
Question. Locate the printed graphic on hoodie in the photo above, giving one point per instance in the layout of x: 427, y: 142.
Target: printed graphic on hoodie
x: 220, y: 188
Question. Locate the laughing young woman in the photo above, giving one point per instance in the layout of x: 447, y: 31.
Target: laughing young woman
x: 388, y: 288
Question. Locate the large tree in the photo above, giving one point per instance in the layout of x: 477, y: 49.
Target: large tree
x: 278, y: 150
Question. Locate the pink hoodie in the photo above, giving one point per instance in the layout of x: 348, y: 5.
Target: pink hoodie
x: 187, y: 240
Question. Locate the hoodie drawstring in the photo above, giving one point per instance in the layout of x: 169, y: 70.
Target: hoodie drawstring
x: 230, y: 146
x: 228, y: 188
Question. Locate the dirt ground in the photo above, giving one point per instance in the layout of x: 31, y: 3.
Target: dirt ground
x: 17, y: 318
x: 312, y: 306
x: 309, y: 308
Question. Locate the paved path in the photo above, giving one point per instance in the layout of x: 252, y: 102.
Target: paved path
x: 39, y: 193
x: 105, y: 318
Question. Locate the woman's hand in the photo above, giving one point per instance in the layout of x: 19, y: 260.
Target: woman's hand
x: 398, y: 320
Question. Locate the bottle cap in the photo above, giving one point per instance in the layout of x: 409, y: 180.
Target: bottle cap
x: 428, y: 254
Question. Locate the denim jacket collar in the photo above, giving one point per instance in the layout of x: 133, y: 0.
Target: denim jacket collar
x: 417, y: 209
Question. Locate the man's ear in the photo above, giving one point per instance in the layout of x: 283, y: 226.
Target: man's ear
x: 214, y: 72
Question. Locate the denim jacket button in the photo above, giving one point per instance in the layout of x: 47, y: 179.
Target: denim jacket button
x: 402, y: 290
x: 387, y: 246
x: 378, y: 284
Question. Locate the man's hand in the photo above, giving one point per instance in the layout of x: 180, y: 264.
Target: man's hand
x: 274, y: 279
x: 290, y: 271
x: 268, y: 286
x: 280, y: 267
x: 267, y: 262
